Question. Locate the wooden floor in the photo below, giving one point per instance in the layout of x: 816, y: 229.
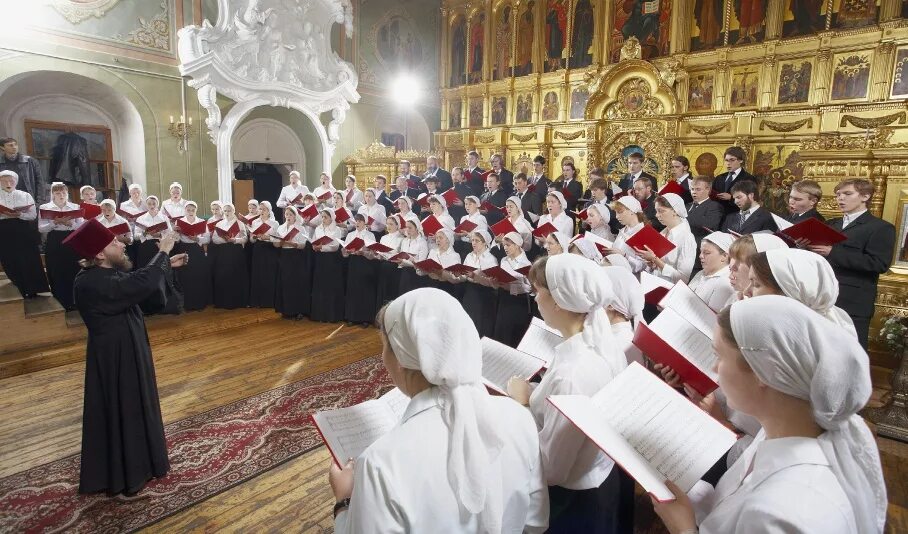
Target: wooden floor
x: 208, y: 359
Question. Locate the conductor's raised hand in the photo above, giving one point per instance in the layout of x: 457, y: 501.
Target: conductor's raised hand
x: 168, y: 239
x: 179, y: 260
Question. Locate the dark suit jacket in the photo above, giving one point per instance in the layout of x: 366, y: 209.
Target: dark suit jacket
x: 795, y: 219
x: 627, y: 182
x: 541, y: 188
x: 507, y: 180
x: 530, y: 203
x: 650, y: 211
x: 386, y: 202
x: 475, y: 180
x: 456, y: 212
x: 859, y: 261
x: 757, y: 221
x: 572, y: 193
x: 498, y: 198
x: 444, y: 179
x: 719, y: 186
x: 685, y: 195
x: 708, y: 214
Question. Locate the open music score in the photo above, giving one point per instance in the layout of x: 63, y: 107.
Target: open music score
x: 349, y: 431
x: 653, y: 432
x: 540, y: 341
x: 500, y: 362
x: 672, y: 340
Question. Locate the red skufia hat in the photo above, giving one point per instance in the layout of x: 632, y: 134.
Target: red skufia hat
x: 89, y: 239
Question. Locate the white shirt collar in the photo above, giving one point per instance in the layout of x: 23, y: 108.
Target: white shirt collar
x: 850, y: 218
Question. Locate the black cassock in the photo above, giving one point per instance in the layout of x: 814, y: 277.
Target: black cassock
x: 123, y: 443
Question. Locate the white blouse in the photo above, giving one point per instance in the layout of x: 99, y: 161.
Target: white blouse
x: 117, y: 220
x: 569, y: 459
x: 522, y: 285
x: 680, y: 261
x: 446, y: 258
x: 132, y: 208
x: 332, y: 231
x: 367, y: 237
x: 624, y: 249
x: 478, y: 219
x: 392, y: 241
x: 417, y: 248
x: 778, y: 485
x: 562, y: 222
x: 321, y: 190
x: 378, y: 214
x: 301, y: 237
x: 525, y: 230
x: 289, y: 192
x: 48, y: 225
x: 225, y: 225
x: 715, y: 289
x: 353, y: 198
x: 203, y: 239
x: 18, y: 199
x: 399, y: 481
x: 480, y: 261
x: 604, y: 232
x: 256, y: 224
x: 174, y: 210
x: 624, y: 336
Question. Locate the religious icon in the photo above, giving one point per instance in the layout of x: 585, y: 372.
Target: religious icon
x: 706, y: 164
x: 523, y: 63
x: 475, y: 112
x: 900, y: 74
x: 499, y: 110
x: 524, y: 111
x: 851, y: 76
x: 458, y: 52
x: 397, y: 45
x: 747, y: 22
x: 550, y: 106
x: 454, y: 111
x: 706, y: 27
x: 582, y: 39
x: 503, y: 45
x: 477, y: 36
x: 647, y: 20
x: 700, y: 94
x: 854, y: 13
x: 555, y: 34
x: 745, y: 82
x: 579, y: 98
x: 804, y: 17
x: 901, y: 259
x: 794, y: 82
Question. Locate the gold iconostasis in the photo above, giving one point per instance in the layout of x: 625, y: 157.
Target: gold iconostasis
x: 809, y: 88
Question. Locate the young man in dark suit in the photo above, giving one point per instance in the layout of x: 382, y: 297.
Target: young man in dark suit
x: 457, y: 210
x: 444, y: 177
x: 569, y: 186
x: 802, y: 201
x: 506, y: 177
x: 643, y: 191
x: 539, y: 183
x: 413, y: 182
x: 722, y: 184
x: 530, y: 202
x: 495, y: 196
x: 680, y: 168
x: 402, y: 188
x: 380, y: 183
x: 634, y: 173
x: 474, y: 174
x: 703, y: 214
x: 858, y: 261
x: 751, y: 217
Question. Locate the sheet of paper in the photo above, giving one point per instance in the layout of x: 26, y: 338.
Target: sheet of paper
x: 540, y: 341
x: 349, y: 431
x: 650, y: 282
x: 687, y: 339
x: 780, y: 222
x: 599, y: 240
x: 653, y: 432
x: 687, y: 304
x: 500, y: 362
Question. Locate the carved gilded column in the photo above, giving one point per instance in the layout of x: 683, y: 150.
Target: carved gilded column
x: 721, y: 85
x: 681, y: 23
x: 774, y: 11
x: 882, y: 71
x: 444, y: 52
x: 890, y: 9
x: 488, y: 37
x: 823, y: 76
x: 515, y: 12
x: 766, y: 82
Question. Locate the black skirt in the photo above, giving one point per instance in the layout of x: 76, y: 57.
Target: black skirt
x: 388, y: 283
x: 480, y: 303
x: 362, y: 277
x: 62, y: 268
x: 263, y: 276
x: 144, y: 252
x: 231, y: 280
x: 455, y: 290
x: 194, y: 278
x: 599, y: 510
x: 328, y: 287
x: 512, y: 317
x: 294, y: 292
x: 20, y: 257
x: 409, y: 280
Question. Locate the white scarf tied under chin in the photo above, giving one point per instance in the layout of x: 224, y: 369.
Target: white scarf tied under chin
x: 629, y: 299
x: 579, y: 285
x: 429, y: 331
x: 794, y: 350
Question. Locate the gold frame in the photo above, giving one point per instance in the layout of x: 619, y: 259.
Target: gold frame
x: 901, y: 235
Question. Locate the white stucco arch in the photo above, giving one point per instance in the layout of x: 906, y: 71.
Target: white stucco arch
x: 271, y: 137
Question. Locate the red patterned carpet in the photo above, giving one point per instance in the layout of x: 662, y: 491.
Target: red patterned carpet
x: 209, y: 453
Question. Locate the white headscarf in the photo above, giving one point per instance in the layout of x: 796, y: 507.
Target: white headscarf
x: 629, y: 298
x: 793, y: 350
x: 447, y: 232
x: 603, y: 212
x: 515, y: 238
x: 765, y: 242
x: 428, y: 330
x: 722, y: 240
x: 809, y: 279
x: 177, y: 185
x: 516, y: 202
x: 474, y: 199
x: 631, y: 203
x: 441, y: 200
x: 135, y: 186
x: 330, y: 213
x: 577, y: 285
x: 85, y: 188
x: 589, y: 249
x: 108, y: 202
x: 486, y: 236
x: 677, y: 204
x: 618, y: 260
x: 562, y: 239
x: 14, y: 174
x: 560, y: 197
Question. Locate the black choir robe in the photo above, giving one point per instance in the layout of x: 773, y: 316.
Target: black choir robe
x: 123, y: 443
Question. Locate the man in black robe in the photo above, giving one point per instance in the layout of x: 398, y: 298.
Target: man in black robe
x: 123, y: 444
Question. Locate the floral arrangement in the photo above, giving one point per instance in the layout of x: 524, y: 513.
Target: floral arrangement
x: 895, y: 332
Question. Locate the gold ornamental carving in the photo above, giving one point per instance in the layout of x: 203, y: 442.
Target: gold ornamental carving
x: 786, y: 126
x: 375, y: 151
x: 524, y: 138
x: 631, y: 49
x: 867, y: 123
x: 835, y: 141
x: 710, y: 129
x: 634, y: 101
x: 484, y: 138
x: 570, y: 136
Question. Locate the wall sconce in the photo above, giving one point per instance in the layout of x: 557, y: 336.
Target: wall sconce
x: 181, y: 131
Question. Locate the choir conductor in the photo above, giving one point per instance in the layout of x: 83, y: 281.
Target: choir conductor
x: 123, y: 443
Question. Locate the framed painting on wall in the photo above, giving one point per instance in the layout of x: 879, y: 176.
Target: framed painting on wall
x: 499, y: 110
x: 475, y: 112
x: 851, y: 75
x: 550, y: 106
x: 455, y: 107
x: 524, y: 111
x: 73, y: 153
x: 579, y: 98
x: 900, y: 73
x: 745, y: 84
x: 901, y: 226
x: 794, y: 81
x: 700, y: 92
